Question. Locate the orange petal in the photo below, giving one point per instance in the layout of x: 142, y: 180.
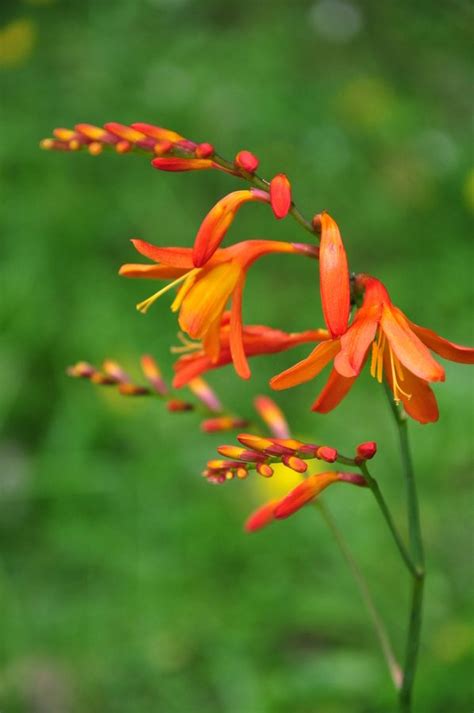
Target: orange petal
x: 443, y: 347
x: 307, y: 368
x: 334, y: 277
x: 421, y: 404
x: 273, y: 416
x: 337, y: 387
x: 236, y: 332
x: 408, y: 347
x: 304, y: 493
x: 280, y: 195
x: 261, y: 517
x: 356, y: 342
x: 176, y: 257
x: 217, y: 222
x: 159, y: 272
x: 205, y: 302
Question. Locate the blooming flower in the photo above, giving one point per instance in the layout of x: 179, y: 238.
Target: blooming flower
x: 400, y: 354
x: 205, y: 291
x: 257, y: 339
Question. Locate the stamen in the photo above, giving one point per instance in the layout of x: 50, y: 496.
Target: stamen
x: 396, y: 368
x: 382, y: 342
x: 144, y: 306
x: 187, y: 345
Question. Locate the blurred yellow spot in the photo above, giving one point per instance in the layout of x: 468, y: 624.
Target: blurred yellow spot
x: 469, y: 190
x: 16, y: 42
x: 366, y: 101
x: 453, y: 641
x: 282, y: 481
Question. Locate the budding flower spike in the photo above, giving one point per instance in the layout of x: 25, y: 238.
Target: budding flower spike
x: 400, y: 355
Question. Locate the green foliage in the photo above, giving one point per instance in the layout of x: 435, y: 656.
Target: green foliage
x: 126, y: 583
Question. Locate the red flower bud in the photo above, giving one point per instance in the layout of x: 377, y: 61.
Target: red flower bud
x: 326, y: 453
x: 280, y: 195
x: 366, y: 451
x: 204, y: 151
x: 247, y: 161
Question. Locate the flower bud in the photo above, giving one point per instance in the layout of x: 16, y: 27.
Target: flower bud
x: 366, y: 451
x: 247, y: 161
x: 204, y: 151
x: 280, y: 195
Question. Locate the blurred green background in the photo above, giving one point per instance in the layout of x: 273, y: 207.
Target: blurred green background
x: 126, y: 582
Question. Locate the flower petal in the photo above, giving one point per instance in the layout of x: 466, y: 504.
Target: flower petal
x: 205, y: 301
x: 408, y: 347
x: 175, y: 257
x: 159, y: 272
x: 337, y: 387
x: 261, y: 517
x: 420, y: 403
x: 443, y: 347
x: 307, y: 368
x: 236, y: 332
x: 356, y: 341
x: 334, y: 277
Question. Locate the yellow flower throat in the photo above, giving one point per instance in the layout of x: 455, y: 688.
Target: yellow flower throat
x: 377, y: 364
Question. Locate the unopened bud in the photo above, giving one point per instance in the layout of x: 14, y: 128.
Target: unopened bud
x: 296, y: 464
x: 265, y: 470
x: 366, y: 451
x: 247, y: 161
x: 204, y: 150
x: 178, y: 405
x: 133, y: 390
x: 326, y: 453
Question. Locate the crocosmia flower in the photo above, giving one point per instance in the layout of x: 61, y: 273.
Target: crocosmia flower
x: 400, y: 355
x: 280, y: 195
x: 257, y: 340
x: 204, y: 292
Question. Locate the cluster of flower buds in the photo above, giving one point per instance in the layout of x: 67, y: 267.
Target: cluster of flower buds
x: 112, y: 374
x: 259, y: 454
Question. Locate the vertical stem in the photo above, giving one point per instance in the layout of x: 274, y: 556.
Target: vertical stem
x: 416, y: 545
x: 382, y: 635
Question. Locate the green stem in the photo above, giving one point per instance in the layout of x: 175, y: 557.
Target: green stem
x: 416, y: 546
x: 380, y: 630
x: 377, y: 493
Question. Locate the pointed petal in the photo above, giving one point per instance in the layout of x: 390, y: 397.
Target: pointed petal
x: 158, y: 272
x: 236, y: 332
x: 175, y: 257
x: 334, y: 277
x: 408, y: 347
x: 356, y: 342
x: 337, y: 387
x: 443, y: 347
x: 307, y: 368
x: 421, y: 403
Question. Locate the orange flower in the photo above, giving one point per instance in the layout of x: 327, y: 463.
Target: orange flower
x: 334, y: 275
x: 217, y: 222
x: 257, y: 339
x: 400, y: 353
x: 205, y: 291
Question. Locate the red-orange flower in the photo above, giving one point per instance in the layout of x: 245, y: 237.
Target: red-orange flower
x: 257, y: 339
x: 217, y: 222
x: 205, y: 291
x: 334, y: 275
x: 400, y: 353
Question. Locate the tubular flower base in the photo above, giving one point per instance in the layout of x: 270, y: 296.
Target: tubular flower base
x: 205, y: 292
x: 257, y: 340
x: 400, y: 354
